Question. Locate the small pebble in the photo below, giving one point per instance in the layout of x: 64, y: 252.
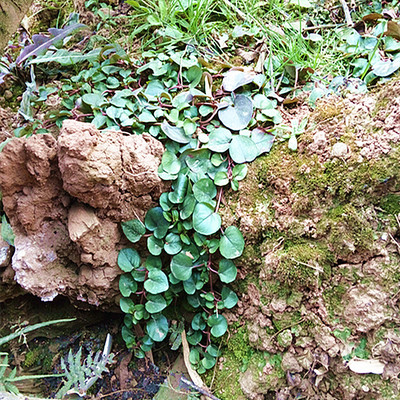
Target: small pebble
x: 340, y: 150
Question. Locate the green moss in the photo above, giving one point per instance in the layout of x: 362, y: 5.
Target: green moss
x: 390, y: 203
x: 237, y: 356
x: 347, y: 230
x: 303, y: 264
x: 333, y: 299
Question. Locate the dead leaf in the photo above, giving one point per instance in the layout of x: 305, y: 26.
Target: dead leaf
x: 393, y: 30
x: 248, y: 56
x: 366, y: 366
x: 372, y: 17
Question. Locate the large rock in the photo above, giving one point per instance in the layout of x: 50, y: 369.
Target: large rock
x: 65, y: 199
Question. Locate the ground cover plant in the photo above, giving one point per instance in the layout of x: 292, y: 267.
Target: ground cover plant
x: 214, y: 117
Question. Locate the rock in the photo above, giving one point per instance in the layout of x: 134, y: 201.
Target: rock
x: 340, y: 150
x: 5, y: 253
x: 65, y: 199
x: 367, y: 307
x: 285, y: 338
x: 289, y: 363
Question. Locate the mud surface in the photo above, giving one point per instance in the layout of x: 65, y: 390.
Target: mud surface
x: 65, y: 199
x: 318, y: 316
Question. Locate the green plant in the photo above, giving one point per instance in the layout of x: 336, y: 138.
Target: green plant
x: 7, y: 379
x: 80, y: 377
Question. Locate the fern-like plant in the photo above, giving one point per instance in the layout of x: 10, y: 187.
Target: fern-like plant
x: 78, y: 376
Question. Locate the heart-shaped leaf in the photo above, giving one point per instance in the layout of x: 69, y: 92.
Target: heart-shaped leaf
x: 127, y: 305
x: 218, y: 325
x: 156, y: 222
x: 173, y: 244
x: 133, y: 230
x: 204, y: 190
x: 243, y: 149
x: 155, y: 303
x: 127, y: 285
x: 156, y: 282
x: 155, y: 245
x: 181, y: 266
x: 174, y: 133
x: 239, y: 115
x: 219, y: 140
x: 205, y: 220
x: 262, y: 140
x: 232, y: 243
x: 385, y: 68
x: 234, y: 79
x: 227, y: 271
x: 229, y: 297
x: 128, y: 259
x: 157, y: 328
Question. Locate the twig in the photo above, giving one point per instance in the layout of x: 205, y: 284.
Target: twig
x: 327, y: 26
x: 199, y: 389
x: 308, y: 265
x: 347, y: 15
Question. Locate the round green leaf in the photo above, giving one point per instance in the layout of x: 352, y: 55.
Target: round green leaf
x: 133, y: 230
x: 165, y: 204
x: 181, y: 267
x: 127, y: 285
x: 198, y: 323
x: 242, y: 149
x: 218, y: 325
x: 229, y: 297
x: 239, y: 115
x: 127, y: 305
x: 232, y: 243
x: 262, y: 140
x: 156, y: 222
x: 153, y: 262
x: 157, y: 328
x: 170, y: 163
x: 227, y: 271
x: 174, y: 133
x: 204, y: 190
x: 189, y: 285
x: 194, y: 356
x: 221, y: 178
x: 205, y: 220
x: 234, y: 79
x: 194, y: 338
x: 213, y: 350
x: 155, y: 304
x: 173, y: 244
x: 219, y: 140
x: 128, y: 259
x: 208, y: 361
x: 128, y: 336
x: 180, y: 189
x: 188, y: 207
x: 239, y: 172
x: 156, y: 282
x: 155, y: 245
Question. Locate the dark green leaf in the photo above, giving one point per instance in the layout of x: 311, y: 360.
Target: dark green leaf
x: 239, y: 115
x: 156, y: 282
x: 187, y: 207
x: 155, y: 303
x: 128, y: 259
x: 232, y: 243
x: 157, y: 328
x: 173, y: 244
x: 156, y: 222
x: 198, y: 323
x: 204, y: 190
x: 155, y: 245
x: 133, y: 230
x: 181, y: 266
x: 218, y: 325
x: 243, y: 149
x: 229, y: 297
x: 127, y: 305
x: 180, y: 189
x: 227, y: 271
x: 127, y: 285
x: 205, y: 220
